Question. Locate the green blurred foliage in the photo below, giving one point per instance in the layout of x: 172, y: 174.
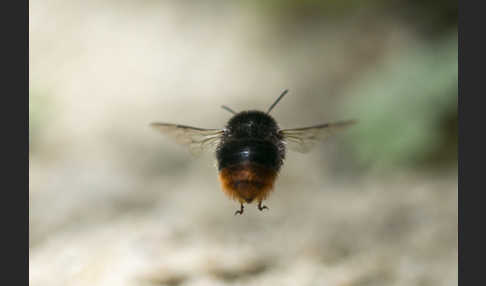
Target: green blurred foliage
x: 429, y: 16
x: 408, y: 110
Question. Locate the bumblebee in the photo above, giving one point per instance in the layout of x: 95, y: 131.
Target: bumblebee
x: 250, y: 150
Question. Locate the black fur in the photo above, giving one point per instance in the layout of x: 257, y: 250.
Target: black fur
x: 251, y: 136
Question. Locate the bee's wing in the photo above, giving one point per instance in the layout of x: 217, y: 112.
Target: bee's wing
x: 303, y: 139
x: 196, y: 139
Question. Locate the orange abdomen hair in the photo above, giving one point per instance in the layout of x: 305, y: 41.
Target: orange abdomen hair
x: 247, y: 181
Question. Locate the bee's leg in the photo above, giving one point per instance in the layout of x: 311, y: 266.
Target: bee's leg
x: 261, y: 207
x: 240, y: 211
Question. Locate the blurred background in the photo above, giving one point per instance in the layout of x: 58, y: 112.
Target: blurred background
x: 114, y: 203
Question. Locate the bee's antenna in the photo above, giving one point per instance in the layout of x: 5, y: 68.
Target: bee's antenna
x: 228, y: 109
x: 278, y: 99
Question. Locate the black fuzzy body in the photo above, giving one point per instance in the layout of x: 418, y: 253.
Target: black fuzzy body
x: 251, y: 137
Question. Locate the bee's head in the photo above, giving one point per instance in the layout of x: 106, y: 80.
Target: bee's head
x: 252, y: 124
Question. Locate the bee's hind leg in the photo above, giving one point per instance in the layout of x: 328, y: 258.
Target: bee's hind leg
x: 240, y: 211
x: 261, y: 207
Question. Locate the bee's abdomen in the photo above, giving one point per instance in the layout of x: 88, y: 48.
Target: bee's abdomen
x: 248, y: 168
x: 240, y: 151
x: 247, y: 182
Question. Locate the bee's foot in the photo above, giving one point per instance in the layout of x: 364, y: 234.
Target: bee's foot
x: 240, y: 211
x: 261, y: 207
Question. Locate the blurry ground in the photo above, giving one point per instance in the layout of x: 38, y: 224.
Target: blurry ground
x: 114, y: 203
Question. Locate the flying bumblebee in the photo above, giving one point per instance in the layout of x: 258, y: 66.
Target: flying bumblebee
x: 250, y: 150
